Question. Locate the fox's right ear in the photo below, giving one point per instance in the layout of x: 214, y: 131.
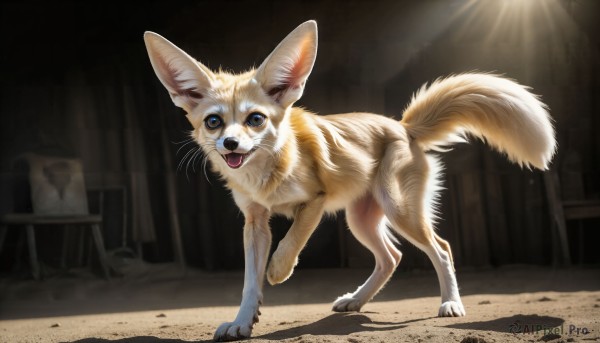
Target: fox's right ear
x: 186, y: 80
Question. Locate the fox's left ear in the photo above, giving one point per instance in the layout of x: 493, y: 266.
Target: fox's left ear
x: 284, y: 72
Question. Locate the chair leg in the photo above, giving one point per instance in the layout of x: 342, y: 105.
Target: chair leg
x: 99, y: 241
x: 3, y: 230
x: 563, y: 239
x: 33, y: 258
x: 65, y: 243
x: 581, y: 241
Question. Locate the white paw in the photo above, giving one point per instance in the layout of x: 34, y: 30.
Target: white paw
x: 347, y: 303
x: 280, y: 267
x: 452, y: 309
x: 233, y: 332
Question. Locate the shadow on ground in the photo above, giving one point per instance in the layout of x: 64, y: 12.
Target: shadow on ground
x: 514, y: 324
x: 343, y: 324
x: 139, y: 339
x: 337, y: 324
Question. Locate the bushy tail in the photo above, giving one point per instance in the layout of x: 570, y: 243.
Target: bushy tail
x: 495, y: 109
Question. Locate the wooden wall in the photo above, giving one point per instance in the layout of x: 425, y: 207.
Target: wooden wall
x: 76, y: 75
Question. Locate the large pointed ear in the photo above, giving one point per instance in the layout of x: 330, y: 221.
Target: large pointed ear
x: 283, y: 74
x: 186, y: 80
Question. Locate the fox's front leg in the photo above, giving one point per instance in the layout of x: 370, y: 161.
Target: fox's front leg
x: 285, y: 257
x: 257, y: 241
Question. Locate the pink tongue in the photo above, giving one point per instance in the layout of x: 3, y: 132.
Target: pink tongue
x: 234, y: 160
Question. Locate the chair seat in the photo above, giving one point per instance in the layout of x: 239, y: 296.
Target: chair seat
x: 39, y: 219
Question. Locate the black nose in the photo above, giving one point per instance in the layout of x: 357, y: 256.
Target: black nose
x: 231, y: 143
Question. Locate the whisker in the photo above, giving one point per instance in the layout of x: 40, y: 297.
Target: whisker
x: 191, y: 156
x: 187, y: 166
x: 191, y: 140
x: 189, y: 137
x: 183, y: 141
x: 268, y: 147
x: 196, y: 154
x: 184, y: 158
x: 204, y: 162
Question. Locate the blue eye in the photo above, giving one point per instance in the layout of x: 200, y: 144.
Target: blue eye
x: 256, y: 119
x: 213, y: 122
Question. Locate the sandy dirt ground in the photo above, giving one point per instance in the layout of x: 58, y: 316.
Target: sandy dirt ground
x: 159, y: 304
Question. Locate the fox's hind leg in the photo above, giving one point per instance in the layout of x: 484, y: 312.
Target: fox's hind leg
x: 445, y: 246
x: 367, y: 222
x: 402, y: 189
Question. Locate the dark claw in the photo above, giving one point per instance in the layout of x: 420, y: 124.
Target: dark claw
x: 229, y: 338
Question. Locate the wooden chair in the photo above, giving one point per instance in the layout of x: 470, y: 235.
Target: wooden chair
x: 58, y: 196
x: 563, y: 210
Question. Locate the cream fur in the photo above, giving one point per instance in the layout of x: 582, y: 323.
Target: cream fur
x: 303, y: 165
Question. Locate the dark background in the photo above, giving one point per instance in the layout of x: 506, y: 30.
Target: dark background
x: 76, y: 81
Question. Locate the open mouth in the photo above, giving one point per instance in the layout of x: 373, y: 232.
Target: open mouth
x: 235, y: 160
